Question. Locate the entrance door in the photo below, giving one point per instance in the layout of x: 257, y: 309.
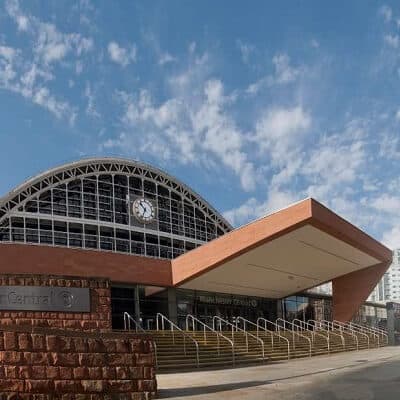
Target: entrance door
x: 122, y: 300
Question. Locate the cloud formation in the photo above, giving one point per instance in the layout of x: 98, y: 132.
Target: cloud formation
x: 120, y: 55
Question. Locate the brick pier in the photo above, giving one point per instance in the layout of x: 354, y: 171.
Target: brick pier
x: 72, y: 356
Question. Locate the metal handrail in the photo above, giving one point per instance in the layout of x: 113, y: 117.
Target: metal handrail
x: 276, y: 331
x: 127, y: 326
x: 313, y: 332
x: 342, y: 327
x: 331, y: 332
x: 293, y: 332
x: 375, y: 331
x: 272, y: 333
x: 127, y: 323
x: 247, y: 334
x: 349, y: 327
x: 175, y: 327
x: 218, y: 334
x: 364, y: 330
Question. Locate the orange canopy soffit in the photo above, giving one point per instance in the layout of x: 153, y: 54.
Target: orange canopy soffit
x: 286, y: 252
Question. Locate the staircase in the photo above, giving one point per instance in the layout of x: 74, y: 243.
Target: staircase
x: 226, y: 345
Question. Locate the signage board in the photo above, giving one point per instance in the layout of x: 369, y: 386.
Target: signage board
x: 230, y: 301
x: 44, y: 298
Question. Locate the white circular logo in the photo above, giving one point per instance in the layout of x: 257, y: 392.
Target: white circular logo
x: 66, y: 299
x: 143, y: 210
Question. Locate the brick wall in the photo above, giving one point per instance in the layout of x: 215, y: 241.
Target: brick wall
x: 48, y: 364
x: 99, y: 318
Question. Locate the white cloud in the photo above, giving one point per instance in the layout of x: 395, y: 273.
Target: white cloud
x: 90, y: 107
x: 219, y: 134
x: 392, y: 40
x: 284, y: 73
x: 253, y: 209
x: 386, y: 13
x: 192, y: 125
x: 50, y: 45
x: 153, y: 43
x: 43, y: 98
x: 246, y: 50
x: 166, y: 58
x: 386, y: 203
x: 28, y: 76
x: 389, y: 146
x: 120, y: 55
x: 279, y: 130
x: 7, y: 65
x: 391, y: 238
x: 13, y: 9
x: 335, y: 163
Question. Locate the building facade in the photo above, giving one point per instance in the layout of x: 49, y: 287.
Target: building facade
x: 164, y: 249
x: 391, y: 280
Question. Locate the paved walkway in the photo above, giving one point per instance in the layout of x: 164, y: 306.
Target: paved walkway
x: 349, y: 376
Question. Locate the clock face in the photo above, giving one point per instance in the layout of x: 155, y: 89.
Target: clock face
x: 143, y: 210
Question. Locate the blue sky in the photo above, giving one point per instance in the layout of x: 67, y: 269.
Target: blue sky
x: 254, y: 105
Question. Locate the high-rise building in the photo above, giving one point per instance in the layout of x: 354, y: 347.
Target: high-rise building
x: 391, y: 280
x: 388, y: 289
x: 378, y: 294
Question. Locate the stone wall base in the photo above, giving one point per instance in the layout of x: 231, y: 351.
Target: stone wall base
x: 47, y: 364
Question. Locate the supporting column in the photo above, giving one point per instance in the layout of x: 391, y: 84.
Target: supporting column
x: 390, y: 308
x: 172, y: 305
x: 279, y: 308
x: 137, y: 306
x: 351, y: 290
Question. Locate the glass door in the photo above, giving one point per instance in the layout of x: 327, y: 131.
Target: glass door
x: 122, y: 300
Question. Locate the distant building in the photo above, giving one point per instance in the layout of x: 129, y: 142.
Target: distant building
x: 388, y: 289
x: 378, y: 294
x: 391, y: 280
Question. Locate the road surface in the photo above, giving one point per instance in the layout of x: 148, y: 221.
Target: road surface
x: 363, y: 375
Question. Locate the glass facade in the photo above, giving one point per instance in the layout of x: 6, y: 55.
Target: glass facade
x: 372, y: 315
x: 320, y: 308
x: 306, y: 308
x: 204, y: 305
x: 91, y: 207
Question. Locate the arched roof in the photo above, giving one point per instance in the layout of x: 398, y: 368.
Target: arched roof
x: 102, y: 165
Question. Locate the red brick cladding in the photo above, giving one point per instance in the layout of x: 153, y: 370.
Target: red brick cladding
x: 98, y: 319
x: 41, y: 363
x: 47, y: 260
x: 351, y: 290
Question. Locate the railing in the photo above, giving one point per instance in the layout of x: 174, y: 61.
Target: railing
x: 235, y: 328
x: 294, y: 333
x: 346, y: 325
x: 329, y: 325
x: 277, y: 332
x: 176, y: 328
x: 272, y: 333
x: 205, y: 327
x: 364, y: 330
x: 375, y: 331
x: 342, y: 328
x: 127, y: 326
x: 128, y: 319
x: 312, y: 328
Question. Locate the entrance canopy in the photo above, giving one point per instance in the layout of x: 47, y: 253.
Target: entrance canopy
x: 286, y: 252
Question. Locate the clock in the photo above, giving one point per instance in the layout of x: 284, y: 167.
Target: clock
x: 143, y: 210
